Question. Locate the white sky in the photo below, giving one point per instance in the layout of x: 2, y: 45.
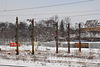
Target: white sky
x: 33, y: 13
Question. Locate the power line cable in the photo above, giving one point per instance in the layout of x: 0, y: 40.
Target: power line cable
x: 75, y: 15
x: 53, y: 13
x: 68, y: 16
x: 68, y: 12
x: 85, y: 15
x: 81, y: 15
x: 47, y: 6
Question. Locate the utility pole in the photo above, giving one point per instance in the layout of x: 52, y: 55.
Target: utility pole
x: 17, y: 50
x: 68, y: 38
x: 79, y: 37
x: 57, y: 37
x: 32, y: 36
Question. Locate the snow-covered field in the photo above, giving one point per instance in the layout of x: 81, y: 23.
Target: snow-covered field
x: 46, y: 57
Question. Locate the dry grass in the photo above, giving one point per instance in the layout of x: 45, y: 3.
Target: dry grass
x: 42, y: 56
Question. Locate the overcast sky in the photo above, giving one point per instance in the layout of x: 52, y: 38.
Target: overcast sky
x: 40, y: 13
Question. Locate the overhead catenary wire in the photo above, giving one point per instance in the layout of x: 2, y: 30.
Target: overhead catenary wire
x: 85, y: 14
x: 70, y: 16
x: 57, y: 14
x: 68, y: 12
x: 47, y: 6
x: 54, y: 13
x: 65, y: 16
x: 77, y: 15
x: 38, y: 19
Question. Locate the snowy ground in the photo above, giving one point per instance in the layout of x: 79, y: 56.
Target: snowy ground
x: 46, y: 57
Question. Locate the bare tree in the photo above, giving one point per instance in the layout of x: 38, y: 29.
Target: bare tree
x: 55, y: 18
x: 67, y: 20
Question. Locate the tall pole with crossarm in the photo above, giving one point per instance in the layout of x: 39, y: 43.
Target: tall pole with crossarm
x: 79, y: 37
x: 17, y: 50
x: 57, y: 37
x: 32, y: 36
x: 68, y: 38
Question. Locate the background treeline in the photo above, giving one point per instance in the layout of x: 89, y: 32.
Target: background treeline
x: 44, y: 30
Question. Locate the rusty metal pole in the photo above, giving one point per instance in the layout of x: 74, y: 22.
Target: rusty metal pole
x: 79, y: 37
x: 68, y: 38
x: 57, y: 37
x: 33, y: 37
x: 17, y: 50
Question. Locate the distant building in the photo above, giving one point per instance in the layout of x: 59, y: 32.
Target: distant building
x: 92, y: 23
x: 92, y: 29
